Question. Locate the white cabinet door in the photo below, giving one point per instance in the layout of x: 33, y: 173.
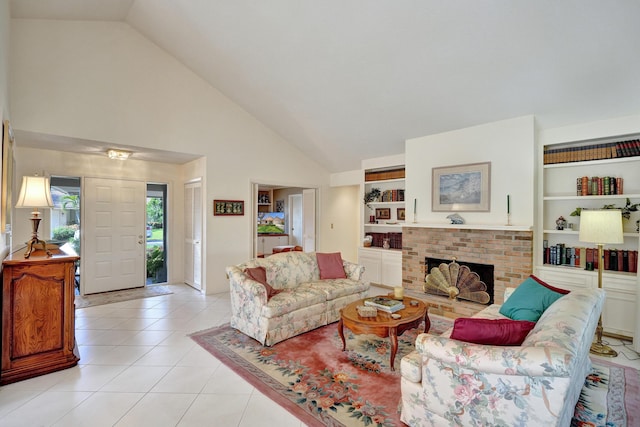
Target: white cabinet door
x: 391, y: 268
x: 372, y: 265
x: 620, y: 291
x: 617, y: 314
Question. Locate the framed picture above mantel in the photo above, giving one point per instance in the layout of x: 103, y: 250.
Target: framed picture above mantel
x: 461, y: 188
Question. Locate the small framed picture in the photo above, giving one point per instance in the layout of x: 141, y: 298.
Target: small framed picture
x: 400, y: 214
x: 228, y: 207
x: 383, y: 213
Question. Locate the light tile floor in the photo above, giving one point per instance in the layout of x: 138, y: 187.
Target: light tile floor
x: 138, y: 367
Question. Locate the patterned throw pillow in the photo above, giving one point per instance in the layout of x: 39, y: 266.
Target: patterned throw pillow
x: 330, y: 266
x: 531, y: 299
x: 491, y: 331
x: 259, y: 274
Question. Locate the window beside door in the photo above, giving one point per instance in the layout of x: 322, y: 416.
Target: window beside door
x: 155, y: 234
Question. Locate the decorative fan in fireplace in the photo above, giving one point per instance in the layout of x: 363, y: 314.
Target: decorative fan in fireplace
x: 456, y: 281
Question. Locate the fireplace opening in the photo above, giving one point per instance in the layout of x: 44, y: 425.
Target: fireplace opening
x: 485, y: 271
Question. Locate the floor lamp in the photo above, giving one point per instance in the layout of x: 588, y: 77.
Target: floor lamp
x: 601, y: 227
x: 35, y: 193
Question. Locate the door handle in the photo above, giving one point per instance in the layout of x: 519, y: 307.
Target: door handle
x: 140, y: 242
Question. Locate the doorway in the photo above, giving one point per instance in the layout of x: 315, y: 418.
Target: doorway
x: 156, y: 234
x: 293, y: 209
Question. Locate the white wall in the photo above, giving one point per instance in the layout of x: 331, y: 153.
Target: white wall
x: 510, y: 147
x: 340, y: 225
x: 103, y: 81
x: 30, y: 161
x: 4, y: 87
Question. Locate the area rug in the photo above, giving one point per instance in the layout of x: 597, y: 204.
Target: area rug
x: 316, y: 381
x: 119, y: 296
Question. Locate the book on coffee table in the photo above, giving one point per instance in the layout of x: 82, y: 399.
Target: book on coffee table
x: 387, y: 304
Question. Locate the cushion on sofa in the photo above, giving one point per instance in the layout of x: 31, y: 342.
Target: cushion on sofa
x: 491, y: 331
x: 330, y: 266
x: 259, y: 274
x: 530, y: 299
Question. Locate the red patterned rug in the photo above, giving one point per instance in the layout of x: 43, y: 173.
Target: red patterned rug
x: 315, y: 380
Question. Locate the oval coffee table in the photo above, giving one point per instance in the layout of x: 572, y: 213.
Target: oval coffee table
x: 383, y: 325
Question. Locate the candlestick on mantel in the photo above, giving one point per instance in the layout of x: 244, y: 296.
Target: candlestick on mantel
x: 415, y: 210
x: 508, y: 204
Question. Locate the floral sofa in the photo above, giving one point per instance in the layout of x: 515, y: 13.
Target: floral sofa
x: 446, y: 382
x: 305, y: 301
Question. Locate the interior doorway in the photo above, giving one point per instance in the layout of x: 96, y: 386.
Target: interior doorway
x: 156, y: 234
x: 291, y: 209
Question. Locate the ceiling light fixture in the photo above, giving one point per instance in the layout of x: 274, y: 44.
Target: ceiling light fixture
x: 118, y: 154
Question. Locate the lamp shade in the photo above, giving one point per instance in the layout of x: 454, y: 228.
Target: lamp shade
x: 34, y: 193
x: 601, y: 226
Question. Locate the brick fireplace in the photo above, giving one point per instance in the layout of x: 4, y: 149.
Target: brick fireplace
x: 508, y: 249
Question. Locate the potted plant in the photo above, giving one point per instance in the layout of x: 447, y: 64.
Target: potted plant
x: 626, y: 209
x: 372, y: 196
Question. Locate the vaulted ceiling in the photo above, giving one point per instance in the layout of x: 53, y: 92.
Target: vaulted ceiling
x: 346, y: 80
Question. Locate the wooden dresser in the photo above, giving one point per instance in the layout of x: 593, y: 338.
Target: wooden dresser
x: 38, y: 314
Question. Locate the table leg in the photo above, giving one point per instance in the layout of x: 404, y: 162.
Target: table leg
x: 393, y: 335
x: 341, y: 332
x: 427, y: 322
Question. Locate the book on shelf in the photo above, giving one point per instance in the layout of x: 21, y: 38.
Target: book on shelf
x: 387, y: 304
x: 622, y: 260
x: 598, y: 186
x: 592, y: 152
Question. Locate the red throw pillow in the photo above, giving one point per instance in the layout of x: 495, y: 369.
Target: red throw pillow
x: 330, y: 266
x: 490, y: 331
x: 548, y: 286
x: 259, y: 274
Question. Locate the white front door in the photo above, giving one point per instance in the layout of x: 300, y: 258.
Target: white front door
x: 114, y: 225
x: 193, y: 234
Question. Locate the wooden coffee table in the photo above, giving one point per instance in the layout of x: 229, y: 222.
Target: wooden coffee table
x: 383, y: 325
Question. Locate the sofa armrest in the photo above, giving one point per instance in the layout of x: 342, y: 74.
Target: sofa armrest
x: 352, y: 270
x: 501, y: 360
x: 247, y: 288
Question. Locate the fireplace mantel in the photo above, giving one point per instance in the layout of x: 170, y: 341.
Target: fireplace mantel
x: 471, y: 226
x: 508, y: 248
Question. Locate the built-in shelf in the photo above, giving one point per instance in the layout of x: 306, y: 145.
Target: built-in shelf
x: 615, y: 160
x: 398, y: 225
x: 575, y: 233
x: 603, y: 197
x: 472, y: 226
x: 387, y: 203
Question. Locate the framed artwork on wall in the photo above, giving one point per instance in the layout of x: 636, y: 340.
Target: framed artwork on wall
x: 400, y: 214
x: 383, y: 213
x: 461, y: 188
x: 228, y: 207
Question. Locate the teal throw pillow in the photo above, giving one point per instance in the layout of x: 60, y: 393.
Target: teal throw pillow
x: 530, y: 300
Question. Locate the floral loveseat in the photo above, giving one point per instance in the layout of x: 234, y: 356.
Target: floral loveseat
x: 305, y: 301
x: 446, y: 382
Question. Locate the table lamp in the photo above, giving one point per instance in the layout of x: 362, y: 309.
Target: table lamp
x: 600, y: 227
x: 35, y: 193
